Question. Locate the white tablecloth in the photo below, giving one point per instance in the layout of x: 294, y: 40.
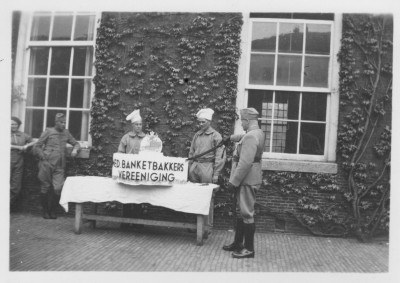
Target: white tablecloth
x: 189, y: 197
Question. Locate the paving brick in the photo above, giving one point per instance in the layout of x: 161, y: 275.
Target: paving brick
x: 37, y: 244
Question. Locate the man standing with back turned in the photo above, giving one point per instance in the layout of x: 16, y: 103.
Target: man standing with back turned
x: 245, y: 179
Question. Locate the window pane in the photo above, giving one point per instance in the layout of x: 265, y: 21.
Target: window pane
x: 84, y: 27
x: 58, y: 91
x: 34, y: 122
x: 266, y: 127
x: 291, y: 38
x: 284, y: 137
x: 262, y: 69
x: 261, y: 100
x: 312, y: 138
x: 318, y: 39
x: 289, y: 70
x: 263, y: 37
x: 316, y: 71
x: 78, y: 125
x: 314, y: 106
x: 40, y: 27
x: 287, y: 105
x: 39, y: 61
x: 51, y: 116
x: 36, y: 92
x: 60, y: 60
x: 80, y: 93
x: 62, y: 27
x: 83, y: 59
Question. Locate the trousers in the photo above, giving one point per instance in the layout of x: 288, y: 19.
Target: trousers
x: 16, y: 171
x: 51, y: 176
x: 201, y: 172
x: 245, y: 201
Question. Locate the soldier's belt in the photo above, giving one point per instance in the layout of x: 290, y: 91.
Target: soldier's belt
x: 204, y: 160
x: 256, y: 160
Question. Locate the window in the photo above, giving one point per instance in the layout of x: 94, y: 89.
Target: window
x: 289, y: 81
x: 60, y: 71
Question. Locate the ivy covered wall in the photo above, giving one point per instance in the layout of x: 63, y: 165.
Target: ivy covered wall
x: 169, y: 65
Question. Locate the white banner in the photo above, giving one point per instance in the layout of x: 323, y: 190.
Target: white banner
x: 149, y: 168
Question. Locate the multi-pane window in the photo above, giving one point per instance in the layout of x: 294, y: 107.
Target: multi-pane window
x: 289, y: 84
x: 60, y: 71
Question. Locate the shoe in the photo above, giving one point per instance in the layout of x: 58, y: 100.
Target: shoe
x: 244, y: 253
x: 237, y: 244
x: 45, y: 206
x: 52, y: 205
x: 234, y: 247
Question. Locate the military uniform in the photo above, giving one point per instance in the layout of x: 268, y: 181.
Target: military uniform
x: 17, y: 163
x: 51, y: 149
x: 246, y: 177
x: 203, y: 169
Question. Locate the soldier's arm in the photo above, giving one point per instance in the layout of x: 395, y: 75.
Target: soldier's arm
x: 72, y: 141
x: 122, y: 145
x: 29, y: 142
x: 38, y: 148
x: 236, y: 138
x: 219, y: 156
x: 246, y: 158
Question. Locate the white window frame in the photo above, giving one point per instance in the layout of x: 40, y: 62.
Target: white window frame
x: 296, y: 162
x: 23, y: 54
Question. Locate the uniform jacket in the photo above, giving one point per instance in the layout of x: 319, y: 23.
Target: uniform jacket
x: 249, y: 148
x: 130, y: 143
x: 21, y: 139
x: 52, y: 146
x: 205, y: 140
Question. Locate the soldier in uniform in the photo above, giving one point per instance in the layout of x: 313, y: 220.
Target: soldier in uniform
x: 51, y: 149
x: 207, y: 168
x: 19, y: 143
x: 130, y: 144
x: 245, y: 179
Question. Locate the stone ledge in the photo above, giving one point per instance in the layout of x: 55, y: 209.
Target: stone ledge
x: 299, y: 166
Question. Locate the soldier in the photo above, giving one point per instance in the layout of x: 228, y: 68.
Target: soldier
x: 245, y: 179
x: 130, y: 144
x: 51, y: 150
x: 207, y: 168
x: 19, y: 143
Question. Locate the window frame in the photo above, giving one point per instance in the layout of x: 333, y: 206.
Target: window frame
x: 296, y: 162
x: 25, y: 56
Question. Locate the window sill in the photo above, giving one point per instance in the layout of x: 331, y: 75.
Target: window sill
x: 83, y: 152
x: 299, y: 166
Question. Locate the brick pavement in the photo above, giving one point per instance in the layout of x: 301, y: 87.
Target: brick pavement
x: 37, y: 244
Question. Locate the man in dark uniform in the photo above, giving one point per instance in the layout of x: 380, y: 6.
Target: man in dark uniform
x: 51, y: 149
x: 245, y: 179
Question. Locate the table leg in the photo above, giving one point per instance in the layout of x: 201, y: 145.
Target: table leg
x: 93, y: 222
x: 200, y: 229
x: 78, y: 218
x: 211, y: 213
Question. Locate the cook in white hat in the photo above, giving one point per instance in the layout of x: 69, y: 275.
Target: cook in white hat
x: 130, y: 143
x: 206, y: 168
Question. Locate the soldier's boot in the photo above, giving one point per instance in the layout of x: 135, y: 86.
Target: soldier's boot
x: 237, y: 244
x: 45, y: 205
x: 248, y: 250
x: 53, y: 203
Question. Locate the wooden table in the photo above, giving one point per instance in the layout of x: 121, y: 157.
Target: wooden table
x: 100, y: 189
